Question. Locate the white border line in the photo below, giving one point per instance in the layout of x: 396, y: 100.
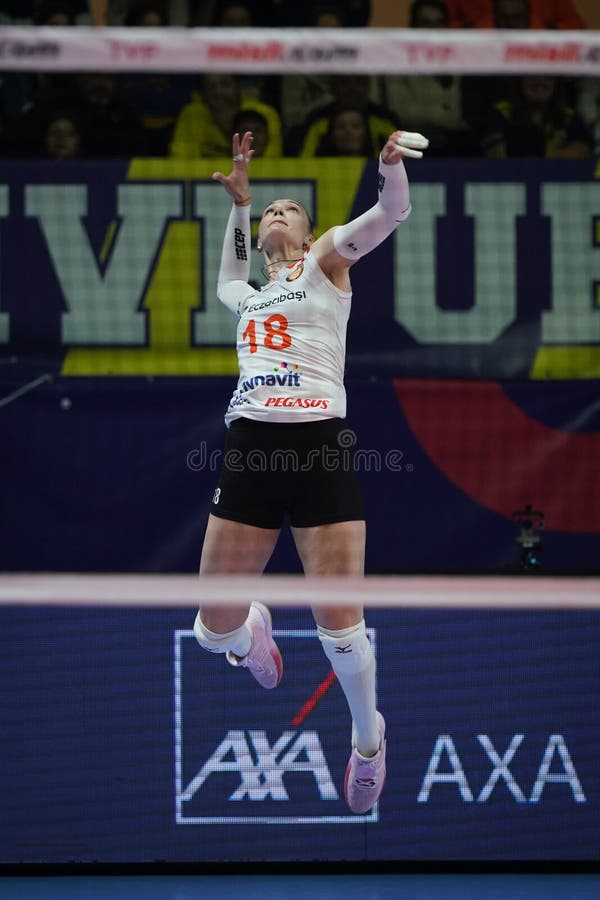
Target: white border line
x: 180, y: 819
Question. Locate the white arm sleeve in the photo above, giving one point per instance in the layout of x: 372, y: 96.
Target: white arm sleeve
x: 363, y: 234
x: 234, y: 271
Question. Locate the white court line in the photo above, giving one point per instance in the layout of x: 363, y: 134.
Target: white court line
x: 526, y: 591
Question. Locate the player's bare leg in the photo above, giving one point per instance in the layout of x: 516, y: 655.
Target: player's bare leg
x: 339, y: 549
x: 242, y: 632
x: 336, y: 549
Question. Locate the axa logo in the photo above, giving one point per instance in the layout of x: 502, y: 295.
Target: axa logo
x: 556, y: 767
x: 244, y: 756
x: 261, y: 765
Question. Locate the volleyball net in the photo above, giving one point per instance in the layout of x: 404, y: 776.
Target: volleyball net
x: 284, y: 591
x: 473, y: 346
x: 277, y: 51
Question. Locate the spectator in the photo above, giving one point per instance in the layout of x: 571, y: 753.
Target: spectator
x: 18, y: 89
x: 300, y: 93
x: 147, y: 14
x: 279, y: 13
x: 14, y: 94
x: 204, y: 126
x: 106, y: 12
x: 234, y: 15
x: 588, y: 107
x: 536, y: 122
x: 428, y: 14
x: 545, y: 14
x: 432, y: 104
x: 29, y: 98
x: 99, y: 11
x: 238, y: 14
x: 326, y: 15
x: 111, y: 127
x: 82, y: 12
x: 480, y: 93
x: 158, y: 97
x: 254, y: 121
x: 347, y: 134
x: 347, y: 90
x: 58, y: 13
x: 17, y: 12
x: 35, y: 12
x: 55, y: 12
x: 62, y: 137
x: 356, y: 13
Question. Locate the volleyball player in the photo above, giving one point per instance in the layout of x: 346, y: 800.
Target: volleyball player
x: 290, y: 404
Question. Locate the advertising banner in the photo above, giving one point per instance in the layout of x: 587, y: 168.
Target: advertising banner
x: 473, y: 359
x: 110, y: 269
x: 273, y: 50
x: 124, y: 742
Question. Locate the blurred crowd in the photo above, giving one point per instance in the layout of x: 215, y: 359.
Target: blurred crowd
x: 111, y: 114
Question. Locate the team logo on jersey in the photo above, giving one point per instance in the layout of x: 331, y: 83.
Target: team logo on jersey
x: 285, y: 378
x: 302, y: 402
x: 296, y: 273
x: 280, y: 298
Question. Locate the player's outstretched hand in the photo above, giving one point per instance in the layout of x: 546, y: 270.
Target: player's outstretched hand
x: 236, y: 184
x: 403, y: 143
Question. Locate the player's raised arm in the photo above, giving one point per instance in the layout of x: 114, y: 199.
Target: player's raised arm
x: 340, y: 247
x: 234, y: 270
x: 236, y: 183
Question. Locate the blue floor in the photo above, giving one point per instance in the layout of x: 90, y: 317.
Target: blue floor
x: 304, y: 887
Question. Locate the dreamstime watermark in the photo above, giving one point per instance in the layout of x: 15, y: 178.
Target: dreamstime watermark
x: 345, y: 457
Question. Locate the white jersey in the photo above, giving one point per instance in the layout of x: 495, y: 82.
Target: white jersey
x: 291, y: 346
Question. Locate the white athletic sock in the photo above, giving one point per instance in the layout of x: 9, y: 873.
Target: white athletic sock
x: 353, y: 661
x: 238, y: 641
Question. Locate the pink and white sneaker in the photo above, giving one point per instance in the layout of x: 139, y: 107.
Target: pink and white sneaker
x: 365, y: 775
x: 263, y: 659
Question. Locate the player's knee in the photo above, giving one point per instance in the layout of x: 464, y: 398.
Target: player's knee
x: 348, y: 649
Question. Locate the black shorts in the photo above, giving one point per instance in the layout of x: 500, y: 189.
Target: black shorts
x: 275, y: 469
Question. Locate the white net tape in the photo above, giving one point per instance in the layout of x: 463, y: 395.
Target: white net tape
x: 273, y: 51
x: 384, y: 592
